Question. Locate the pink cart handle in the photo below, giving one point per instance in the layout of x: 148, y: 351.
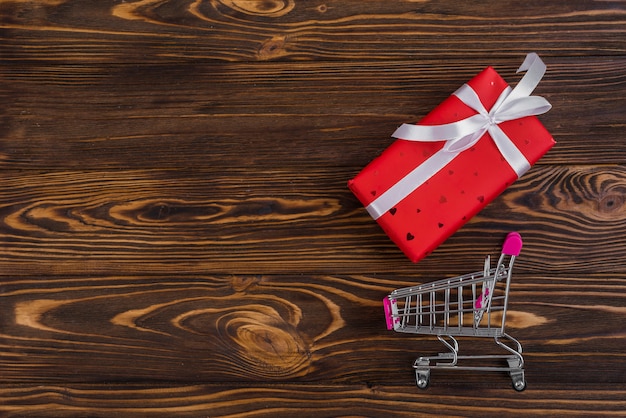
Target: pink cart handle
x: 512, y: 244
x: 388, y: 318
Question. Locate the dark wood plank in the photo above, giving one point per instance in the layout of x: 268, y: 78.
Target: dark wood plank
x: 177, y: 237
x: 303, y: 115
x: 267, y: 221
x: 298, y: 400
x: 287, y: 328
x: 156, y: 31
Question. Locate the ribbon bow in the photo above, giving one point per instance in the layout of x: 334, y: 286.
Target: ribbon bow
x: 459, y: 136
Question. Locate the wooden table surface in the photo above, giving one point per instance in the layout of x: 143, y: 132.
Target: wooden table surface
x: 177, y: 237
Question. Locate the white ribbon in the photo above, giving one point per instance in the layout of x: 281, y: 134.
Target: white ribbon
x: 459, y: 136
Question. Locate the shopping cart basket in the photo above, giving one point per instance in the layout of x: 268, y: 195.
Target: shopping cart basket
x: 473, y: 305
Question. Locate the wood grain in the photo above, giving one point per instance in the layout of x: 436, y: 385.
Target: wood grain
x: 298, y: 327
x: 250, y: 221
x: 300, y: 400
x: 232, y: 30
x: 328, y: 114
x: 177, y: 237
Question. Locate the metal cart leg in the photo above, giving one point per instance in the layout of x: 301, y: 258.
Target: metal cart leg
x: 422, y: 365
x: 422, y: 372
x: 517, y: 374
x: 453, y: 355
x: 516, y: 362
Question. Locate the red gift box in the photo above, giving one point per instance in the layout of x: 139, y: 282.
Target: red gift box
x: 422, y: 190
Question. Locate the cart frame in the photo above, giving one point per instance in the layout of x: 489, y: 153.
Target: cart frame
x: 472, y: 305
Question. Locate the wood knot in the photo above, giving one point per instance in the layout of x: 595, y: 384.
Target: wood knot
x: 272, y: 48
x: 611, y: 203
x: 259, y: 339
x: 241, y: 284
x: 267, y: 8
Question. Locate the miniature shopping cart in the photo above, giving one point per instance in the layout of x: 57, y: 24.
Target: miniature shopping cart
x: 473, y: 305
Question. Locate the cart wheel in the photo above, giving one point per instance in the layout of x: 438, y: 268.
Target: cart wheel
x: 422, y: 379
x: 519, y: 385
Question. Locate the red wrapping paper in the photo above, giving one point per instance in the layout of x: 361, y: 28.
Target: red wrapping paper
x: 420, y: 222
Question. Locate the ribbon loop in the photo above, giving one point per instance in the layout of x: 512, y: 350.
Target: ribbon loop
x: 461, y: 144
x: 459, y: 136
x: 524, y: 106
